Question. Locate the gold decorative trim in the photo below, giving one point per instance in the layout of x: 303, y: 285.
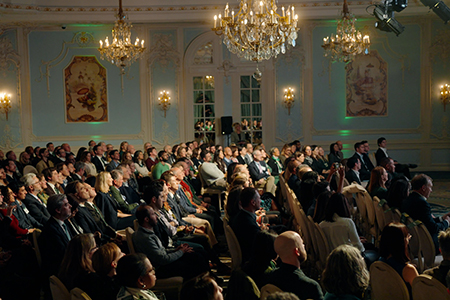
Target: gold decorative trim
x: 55, y: 138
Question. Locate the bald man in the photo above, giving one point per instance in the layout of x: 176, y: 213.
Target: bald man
x: 289, y: 277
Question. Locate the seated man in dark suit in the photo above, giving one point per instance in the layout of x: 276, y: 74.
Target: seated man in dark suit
x: 382, y: 153
x: 244, y: 223
x: 418, y: 208
x: 98, y: 160
x: 352, y: 175
x: 440, y: 272
x: 55, y: 235
x: 388, y: 164
x: 289, y: 277
x: 260, y: 173
x: 360, y: 150
x: 54, y: 182
x: 32, y: 202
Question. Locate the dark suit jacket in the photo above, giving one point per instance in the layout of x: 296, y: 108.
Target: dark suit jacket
x: 245, y: 228
x: 86, y: 220
x: 178, y: 211
x: 52, y: 243
x: 364, y: 173
x: 418, y: 208
x: 274, y: 166
x: 368, y: 162
x: 50, y: 191
x: 37, y: 209
x: 108, y: 206
x: 254, y: 171
x: 379, y: 155
x: 131, y: 195
x: 241, y: 160
x: 97, y: 163
x: 351, y: 176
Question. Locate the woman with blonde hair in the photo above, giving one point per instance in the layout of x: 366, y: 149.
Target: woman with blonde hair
x: 107, y: 205
x: 77, y: 264
x: 241, y: 179
x: 378, y: 179
x: 345, y: 276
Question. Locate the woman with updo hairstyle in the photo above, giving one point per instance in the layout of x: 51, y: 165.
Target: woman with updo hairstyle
x: 398, y: 192
x: 394, y: 251
x: 136, y: 276
x: 101, y: 284
x: 345, y: 276
x: 203, y: 287
x: 232, y: 205
x: 77, y: 264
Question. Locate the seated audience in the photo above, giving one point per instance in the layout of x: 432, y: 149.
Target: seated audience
x: 353, y: 175
x: 136, y: 276
x: 34, y: 204
x: 211, y: 174
x: 162, y: 165
x: 398, y: 192
x: 378, y: 179
x: 289, y: 277
x: 260, y: 174
x: 140, y: 165
x: 440, y: 272
x: 394, y: 251
x: 203, y: 287
x: 334, y: 155
x: 345, y: 275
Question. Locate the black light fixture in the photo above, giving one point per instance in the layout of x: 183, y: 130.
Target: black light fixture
x: 385, y: 16
x: 439, y: 8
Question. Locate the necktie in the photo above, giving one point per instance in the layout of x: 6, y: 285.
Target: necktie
x: 259, y: 167
x: 66, y: 231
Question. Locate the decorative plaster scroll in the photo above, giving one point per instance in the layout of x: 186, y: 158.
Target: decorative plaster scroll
x: 80, y: 40
x: 444, y: 130
x: 226, y: 66
x: 165, y: 137
x: 440, y: 46
x: 366, y: 131
x: 7, y: 53
x: 204, y: 54
x: 163, y: 51
x: 8, y: 140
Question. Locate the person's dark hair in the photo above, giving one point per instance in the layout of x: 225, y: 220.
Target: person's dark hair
x: 196, y: 152
x: 59, y: 167
x: 321, y: 204
x: 346, y: 272
x: 47, y: 145
x: 232, y: 206
x: 337, y: 204
x: 154, y: 189
x: 419, y: 181
x: 15, y: 186
x: 55, y: 202
x: 80, y: 152
x: 203, y: 154
x: 41, y: 151
x: 357, y: 145
x: 247, y: 195
x: 150, y: 150
x: 161, y: 153
x: 136, y: 155
x: 380, y: 140
x: 71, y: 188
x: 394, y: 243
x: 198, y: 288
x: 263, y: 252
x: 332, y: 148
x: 5, y: 193
x: 384, y: 161
x: 83, y: 156
x: 142, y: 213
x: 319, y: 187
x: 311, y: 175
x: 282, y: 296
x: 48, y: 173
x: 130, y: 268
x: 78, y: 166
x: 219, y: 162
x: 444, y: 243
x: 112, y: 152
x: 398, y: 191
x: 230, y: 171
x: 351, y: 162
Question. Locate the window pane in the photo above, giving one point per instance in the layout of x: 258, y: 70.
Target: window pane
x: 209, y: 125
x: 198, y: 83
x: 256, y: 109
x: 245, y: 110
x: 245, y: 96
x: 245, y: 82
x: 209, y: 97
x: 255, y: 83
x: 197, y: 125
x: 209, y: 111
x: 255, y: 95
x: 198, y: 111
x: 244, y: 124
x: 198, y: 97
x: 209, y: 82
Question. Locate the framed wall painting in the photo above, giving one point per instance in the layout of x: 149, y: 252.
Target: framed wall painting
x: 85, y: 90
x: 366, y: 86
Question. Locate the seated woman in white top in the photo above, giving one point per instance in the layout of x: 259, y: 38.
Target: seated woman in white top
x: 339, y: 229
x: 140, y: 165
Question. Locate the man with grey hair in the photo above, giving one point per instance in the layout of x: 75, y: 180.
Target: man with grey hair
x: 35, y: 206
x: 80, y: 167
x: 417, y: 206
x: 262, y: 179
x: 55, y: 235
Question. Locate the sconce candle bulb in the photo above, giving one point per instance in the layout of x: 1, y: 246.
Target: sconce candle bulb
x: 445, y: 94
x: 164, y: 101
x: 288, y: 99
x: 5, y: 104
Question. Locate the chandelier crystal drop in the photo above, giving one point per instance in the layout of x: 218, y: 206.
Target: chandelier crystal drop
x: 347, y: 42
x: 121, y: 52
x: 257, y: 32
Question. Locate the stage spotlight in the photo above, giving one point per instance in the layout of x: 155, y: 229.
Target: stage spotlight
x: 439, y: 8
x: 386, y: 21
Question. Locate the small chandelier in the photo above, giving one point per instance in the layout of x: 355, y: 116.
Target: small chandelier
x: 121, y: 52
x: 164, y: 101
x: 445, y: 94
x: 347, y: 42
x: 5, y: 104
x: 288, y: 99
x: 257, y: 32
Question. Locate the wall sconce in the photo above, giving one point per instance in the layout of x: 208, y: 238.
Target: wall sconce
x: 288, y: 100
x: 445, y: 94
x: 5, y: 104
x: 164, y: 101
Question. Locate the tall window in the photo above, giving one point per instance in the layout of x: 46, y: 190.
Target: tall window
x: 204, y: 115
x: 251, y: 110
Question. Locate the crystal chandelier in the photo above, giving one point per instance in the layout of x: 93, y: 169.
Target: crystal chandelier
x: 257, y: 32
x: 121, y: 52
x: 347, y: 42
